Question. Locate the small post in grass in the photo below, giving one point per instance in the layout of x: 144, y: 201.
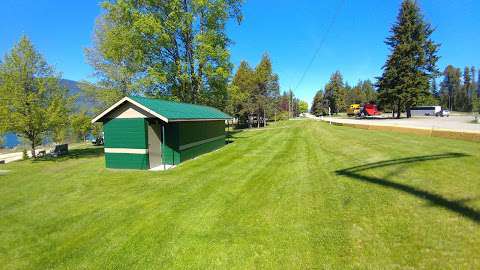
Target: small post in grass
x: 228, y: 131
x: 330, y: 114
x: 163, y: 146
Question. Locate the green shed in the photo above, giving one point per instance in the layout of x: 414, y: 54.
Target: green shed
x: 144, y: 133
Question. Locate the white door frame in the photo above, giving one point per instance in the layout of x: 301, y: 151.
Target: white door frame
x: 154, y: 143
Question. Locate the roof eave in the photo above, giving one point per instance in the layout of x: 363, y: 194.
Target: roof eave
x: 111, y: 108
x: 199, y: 119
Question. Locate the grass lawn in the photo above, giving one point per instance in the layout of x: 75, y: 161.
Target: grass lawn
x: 302, y: 194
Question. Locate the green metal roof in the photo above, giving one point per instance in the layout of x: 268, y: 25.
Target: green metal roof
x: 181, y: 111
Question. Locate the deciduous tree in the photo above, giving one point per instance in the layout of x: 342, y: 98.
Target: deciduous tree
x: 32, y: 99
x: 173, y: 48
x: 81, y: 125
x: 303, y: 106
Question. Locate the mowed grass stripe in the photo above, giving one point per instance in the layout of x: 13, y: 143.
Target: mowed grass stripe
x: 272, y: 199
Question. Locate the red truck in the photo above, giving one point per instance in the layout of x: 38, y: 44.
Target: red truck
x: 369, y: 109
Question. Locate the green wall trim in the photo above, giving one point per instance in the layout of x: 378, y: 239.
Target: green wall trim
x: 126, y: 133
x: 190, y: 145
x: 191, y: 132
x: 170, y: 150
x: 126, y: 161
x: 201, y: 149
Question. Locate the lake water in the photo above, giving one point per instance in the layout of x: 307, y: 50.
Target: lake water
x: 11, y: 140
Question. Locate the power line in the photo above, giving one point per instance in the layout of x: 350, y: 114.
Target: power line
x: 329, y: 28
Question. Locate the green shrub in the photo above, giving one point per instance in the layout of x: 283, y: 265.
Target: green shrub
x: 24, y: 154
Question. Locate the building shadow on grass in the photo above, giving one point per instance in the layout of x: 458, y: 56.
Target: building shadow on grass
x: 90, y: 152
x: 456, y: 206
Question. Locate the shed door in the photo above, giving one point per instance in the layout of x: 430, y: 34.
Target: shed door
x: 154, y: 144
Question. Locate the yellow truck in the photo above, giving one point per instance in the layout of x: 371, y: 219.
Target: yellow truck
x: 353, y: 110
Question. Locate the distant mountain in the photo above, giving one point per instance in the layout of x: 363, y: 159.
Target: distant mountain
x: 72, y: 86
x: 74, y: 89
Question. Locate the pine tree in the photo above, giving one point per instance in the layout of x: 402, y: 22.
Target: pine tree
x: 467, y: 90
x: 473, y: 70
x: 478, y: 83
x: 320, y: 104
x: 267, y: 89
x: 241, y: 103
x: 334, y: 93
x: 347, y: 94
x: 476, y: 88
x: 435, y: 93
x: 450, y: 87
x: 412, y: 63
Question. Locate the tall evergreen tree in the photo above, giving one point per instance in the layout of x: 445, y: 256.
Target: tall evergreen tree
x: 254, y: 92
x: 467, y: 80
x: 334, y: 93
x: 241, y: 102
x: 319, y: 104
x: 465, y: 95
x: 267, y: 89
x: 368, y: 92
x: 412, y: 62
x: 478, y: 83
x: 32, y: 102
x: 450, y: 87
x: 473, y: 70
x: 434, y: 91
x: 348, y: 94
x: 356, y: 94
x: 476, y: 87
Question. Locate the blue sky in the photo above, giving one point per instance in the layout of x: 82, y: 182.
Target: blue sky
x: 290, y: 31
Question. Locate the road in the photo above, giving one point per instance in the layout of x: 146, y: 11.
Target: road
x: 455, y: 122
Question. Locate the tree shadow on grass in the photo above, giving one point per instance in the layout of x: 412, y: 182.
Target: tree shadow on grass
x: 90, y: 152
x: 456, y: 206
x: 232, y: 136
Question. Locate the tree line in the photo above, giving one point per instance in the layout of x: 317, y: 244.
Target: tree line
x: 409, y: 75
x: 459, y: 91
x: 254, y: 95
x: 338, y: 95
x: 173, y: 50
x: 179, y: 50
